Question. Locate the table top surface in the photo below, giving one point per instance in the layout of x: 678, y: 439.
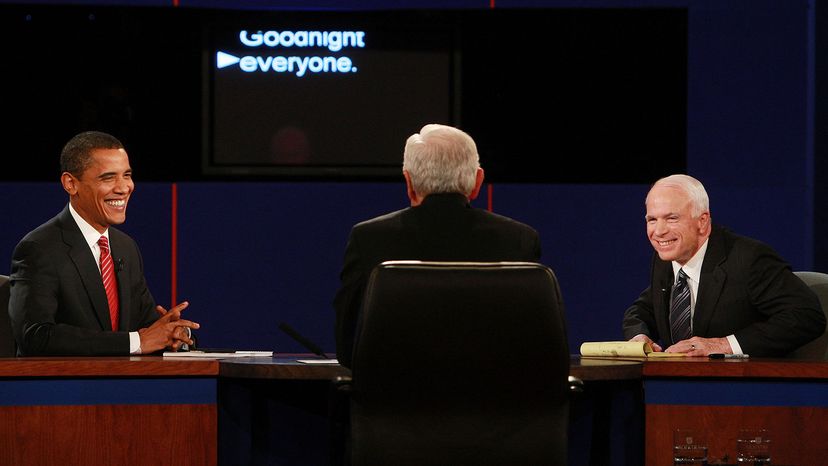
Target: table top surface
x: 290, y: 366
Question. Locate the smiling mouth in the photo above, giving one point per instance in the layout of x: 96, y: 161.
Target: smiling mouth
x: 116, y: 202
x: 666, y: 243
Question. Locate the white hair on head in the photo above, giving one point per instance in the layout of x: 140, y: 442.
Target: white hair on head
x: 699, y: 202
x: 441, y: 159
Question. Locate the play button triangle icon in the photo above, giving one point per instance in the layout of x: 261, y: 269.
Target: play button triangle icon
x: 224, y: 60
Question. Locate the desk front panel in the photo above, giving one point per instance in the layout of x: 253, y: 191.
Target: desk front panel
x: 67, y: 411
x: 788, y: 398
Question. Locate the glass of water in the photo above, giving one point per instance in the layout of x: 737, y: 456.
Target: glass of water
x: 753, y: 447
x: 689, y: 447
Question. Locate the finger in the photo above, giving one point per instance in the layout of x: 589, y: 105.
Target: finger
x: 183, y: 333
x: 160, y: 310
x: 180, y: 306
x: 186, y: 323
x: 168, y: 316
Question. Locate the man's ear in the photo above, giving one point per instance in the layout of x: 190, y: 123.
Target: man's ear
x: 704, y: 223
x: 478, y: 182
x: 69, y: 183
x: 409, y: 188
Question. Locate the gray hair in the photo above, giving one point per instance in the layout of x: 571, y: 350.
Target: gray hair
x: 441, y: 159
x: 699, y: 202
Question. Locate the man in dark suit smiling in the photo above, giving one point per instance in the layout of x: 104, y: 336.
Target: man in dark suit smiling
x: 77, y: 284
x: 442, y: 174
x: 712, y: 291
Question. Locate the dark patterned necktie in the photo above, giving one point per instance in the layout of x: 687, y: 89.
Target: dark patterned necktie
x: 680, y: 309
x: 110, y: 285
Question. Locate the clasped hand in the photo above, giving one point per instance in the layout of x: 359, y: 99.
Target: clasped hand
x: 694, y: 346
x: 169, y: 331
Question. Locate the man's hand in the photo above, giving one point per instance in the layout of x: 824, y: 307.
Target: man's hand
x: 169, y: 331
x: 645, y: 338
x: 697, y: 346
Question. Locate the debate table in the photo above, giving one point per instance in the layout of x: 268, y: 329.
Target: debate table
x: 149, y: 410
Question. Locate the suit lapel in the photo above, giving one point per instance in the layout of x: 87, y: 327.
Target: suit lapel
x: 711, y: 283
x: 663, y: 285
x: 118, y: 256
x: 87, y: 269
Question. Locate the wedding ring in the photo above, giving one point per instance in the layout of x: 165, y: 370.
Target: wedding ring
x: 693, y: 347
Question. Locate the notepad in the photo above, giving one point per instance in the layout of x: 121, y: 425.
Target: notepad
x: 218, y: 354
x: 639, y: 349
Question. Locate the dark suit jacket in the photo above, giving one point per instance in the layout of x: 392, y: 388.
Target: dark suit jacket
x: 443, y: 228
x: 745, y: 289
x: 58, y: 304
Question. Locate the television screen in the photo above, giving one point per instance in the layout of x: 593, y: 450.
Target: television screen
x: 324, y: 93
x: 550, y: 95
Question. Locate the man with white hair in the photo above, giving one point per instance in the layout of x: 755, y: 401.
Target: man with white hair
x: 712, y: 291
x: 442, y: 174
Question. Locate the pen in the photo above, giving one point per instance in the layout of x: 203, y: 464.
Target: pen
x: 728, y: 356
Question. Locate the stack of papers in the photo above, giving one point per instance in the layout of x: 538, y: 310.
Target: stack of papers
x: 219, y: 354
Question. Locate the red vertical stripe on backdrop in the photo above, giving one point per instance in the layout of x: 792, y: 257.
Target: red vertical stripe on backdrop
x: 175, y: 2
x: 491, y: 3
x: 489, y: 195
x: 174, y: 246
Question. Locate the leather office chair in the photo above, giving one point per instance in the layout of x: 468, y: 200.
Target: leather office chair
x: 460, y: 364
x: 816, y: 349
x: 7, y: 344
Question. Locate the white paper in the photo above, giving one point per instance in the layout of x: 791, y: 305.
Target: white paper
x: 202, y: 354
x: 318, y: 361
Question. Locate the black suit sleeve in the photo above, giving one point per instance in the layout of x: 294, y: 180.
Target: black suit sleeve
x: 790, y: 313
x: 348, y: 300
x: 640, y: 317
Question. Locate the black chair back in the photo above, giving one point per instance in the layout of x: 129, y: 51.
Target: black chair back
x: 816, y: 349
x: 460, y: 364
x: 7, y: 344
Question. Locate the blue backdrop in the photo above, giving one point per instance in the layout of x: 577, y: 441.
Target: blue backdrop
x: 253, y: 254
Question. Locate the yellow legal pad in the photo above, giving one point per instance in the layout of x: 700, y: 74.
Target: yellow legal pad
x: 638, y: 349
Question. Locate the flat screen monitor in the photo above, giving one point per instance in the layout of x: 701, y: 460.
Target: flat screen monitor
x: 582, y: 95
x: 324, y: 93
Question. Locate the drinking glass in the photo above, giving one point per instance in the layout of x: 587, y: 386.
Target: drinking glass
x: 753, y: 447
x: 689, y: 448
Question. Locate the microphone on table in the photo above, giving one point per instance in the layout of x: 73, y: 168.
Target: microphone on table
x: 302, y: 340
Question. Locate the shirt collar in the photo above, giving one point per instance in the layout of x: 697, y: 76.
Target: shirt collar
x: 693, y: 267
x: 90, y: 234
x: 446, y: 198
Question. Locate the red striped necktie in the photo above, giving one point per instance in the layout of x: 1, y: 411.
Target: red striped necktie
x: 108, y: 276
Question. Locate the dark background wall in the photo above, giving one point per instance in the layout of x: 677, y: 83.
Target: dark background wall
x: 250, y: 253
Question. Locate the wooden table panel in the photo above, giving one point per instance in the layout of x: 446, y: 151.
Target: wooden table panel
x: 108, y: 435
x: 799, y: 435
